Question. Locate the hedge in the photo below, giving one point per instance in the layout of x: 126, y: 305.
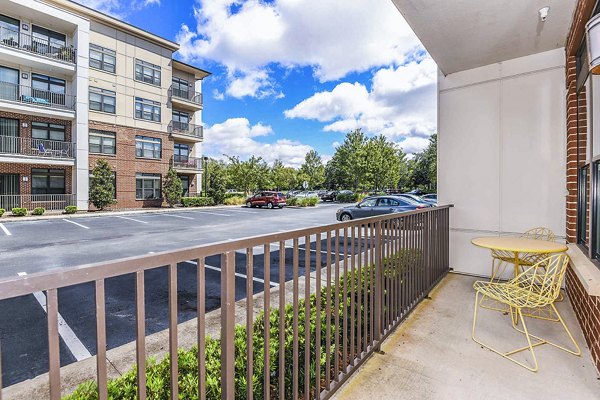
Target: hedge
x: 346, y: 198
x: 157, y: 373
x: 38, y: 211
x: 2, y: 211
x: 19, y: 211
x: 197, y: 201
x: 70, y: 209
x: 234, y: 200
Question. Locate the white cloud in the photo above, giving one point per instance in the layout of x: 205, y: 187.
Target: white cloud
x: 236, y: 137
x: 334, y: 37
x: 413, y: 144
x: 400, y: 103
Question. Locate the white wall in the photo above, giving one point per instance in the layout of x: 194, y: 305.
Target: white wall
x: 502, y: 141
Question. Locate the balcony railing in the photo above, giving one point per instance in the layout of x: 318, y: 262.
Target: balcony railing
x: 185, y: 94
x: 31, y: 201
x: 187, y: 129
x: 35, y: 45
x: 39, y: 97
x: 36, y: 147
x: 186, y: 162
x: 338, y: 291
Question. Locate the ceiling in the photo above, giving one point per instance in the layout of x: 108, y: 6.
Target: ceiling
x: 465, y: 34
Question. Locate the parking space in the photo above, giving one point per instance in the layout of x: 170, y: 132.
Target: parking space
x: 35, y: 246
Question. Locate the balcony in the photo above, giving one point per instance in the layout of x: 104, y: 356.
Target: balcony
x: 21, y: 98
x: 187, y: 100
x: 25, y: 49
x: 186, y: 164
x: 186, y: 131
x: 51, y: 202
x: 37, y: 150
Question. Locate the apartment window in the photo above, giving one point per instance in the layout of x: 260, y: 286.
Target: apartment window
x: 43, y: 130
x: 103, y: 58
x: 48, y: 88
x: 47, y: 41
x: 102, y: 142
x: 147, y: 147
x: 147, y: 109
x: 103, y: 100
x: 181, y: 88
x: 147, y: 186
x: 9, y: 30
x: 47, y: 181
x: 147, y: 72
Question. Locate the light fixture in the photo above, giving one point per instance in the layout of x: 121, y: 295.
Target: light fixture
x: 592, y: 29
x: 544, y: 13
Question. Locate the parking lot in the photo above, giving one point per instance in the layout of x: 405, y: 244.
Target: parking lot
x: 28, y: 247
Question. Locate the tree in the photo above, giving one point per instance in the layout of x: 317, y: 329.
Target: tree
x: 248, y: 175
x: 172, y: 188
x: 313, y: 169
x: 283, y: 177
x: 384, y: 161
x: 424, y: 167
x: 102, y: 188
x: 217, y: 177
x: 348, y: 166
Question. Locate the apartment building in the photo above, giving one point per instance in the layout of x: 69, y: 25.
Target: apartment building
x: 77, y: 86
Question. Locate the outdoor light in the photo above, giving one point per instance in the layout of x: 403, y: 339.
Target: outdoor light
x: 593, y: 43
x: 544, y: 13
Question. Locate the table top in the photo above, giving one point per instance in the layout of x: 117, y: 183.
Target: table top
x: 519, y: 245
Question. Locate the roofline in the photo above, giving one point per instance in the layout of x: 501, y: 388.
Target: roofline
x: 199, y: 72
x: 71, y: 5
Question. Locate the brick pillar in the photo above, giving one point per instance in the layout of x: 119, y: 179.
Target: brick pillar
x: 572, y: 150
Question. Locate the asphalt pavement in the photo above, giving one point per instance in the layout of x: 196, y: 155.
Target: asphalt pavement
x: 28, y: 247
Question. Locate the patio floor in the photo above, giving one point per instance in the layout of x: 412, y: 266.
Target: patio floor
x: 432, y: 356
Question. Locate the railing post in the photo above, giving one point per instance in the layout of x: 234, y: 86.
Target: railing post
x: 378, y: 285
x: 227, y: 326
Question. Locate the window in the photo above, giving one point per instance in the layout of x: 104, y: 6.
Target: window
x: 147, y: 109
x: 47, y: 41
x: 146, y: 72
x: 102, y: 142
x: 368, y: 203
x: 9, y: 134
x: 103, y: 58
x: 9, y: 83
x: 102, y: 100
x: 147, y: 147
x: 385, y: 202
x: 43, y: 130
x: 48, y: 88
x: 147, y: 186
x: 9, y: 31
x: 47, y: 181
x: 181, y: 88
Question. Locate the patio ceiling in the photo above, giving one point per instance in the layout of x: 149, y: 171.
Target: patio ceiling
x: 465, y: 34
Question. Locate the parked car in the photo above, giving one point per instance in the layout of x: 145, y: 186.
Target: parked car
x: 329, y: 195
x: 312, y: 193
x: 415, y: 198
x: 430, y: 198
x: 267, y: 199
x: 378, y: 205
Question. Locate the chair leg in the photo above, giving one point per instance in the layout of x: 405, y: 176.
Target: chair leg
x: 492, y: 304
x: 507, y: 355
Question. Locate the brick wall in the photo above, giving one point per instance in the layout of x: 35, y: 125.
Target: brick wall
x: 26, y: 132
x: 126, y: 164
x: 587, y: 308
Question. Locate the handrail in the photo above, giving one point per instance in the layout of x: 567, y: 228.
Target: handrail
x: 188, y: 95
x: 30, y: 201
x: 178, y: 161
x: 36, y: 147
x: 186, y: 128
x: 31, y: 44
x: 39, y: 97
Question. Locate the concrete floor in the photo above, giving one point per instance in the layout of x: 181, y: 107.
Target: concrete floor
x: 432, y: 356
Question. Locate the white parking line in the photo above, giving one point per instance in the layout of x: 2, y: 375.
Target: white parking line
x: 177, y: 216
x: 131, y: 219
x: 77, y: 348
x: 75, y: 223
x: 214, y: 213
x: 6, y: 231
x: 236, y: 274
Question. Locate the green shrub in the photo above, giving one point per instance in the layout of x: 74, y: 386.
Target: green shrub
x: 234, y: 200
x: 346, y: 198
x: 197, y: 201
x: 70, y: 209
x: 292, y: 201
x: 2, y: 211
x: 233, y: 194
x: 351, y: 284
x: 38, y: 211
x: 172, y: 188
x: 19, y: 212
x: 308, y: 201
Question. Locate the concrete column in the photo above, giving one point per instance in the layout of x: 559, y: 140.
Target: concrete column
x: 198, y: 146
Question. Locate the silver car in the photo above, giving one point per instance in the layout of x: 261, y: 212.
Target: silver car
x: 378, y: 205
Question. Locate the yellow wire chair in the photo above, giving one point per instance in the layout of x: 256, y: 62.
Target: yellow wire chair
x: 535, y: 287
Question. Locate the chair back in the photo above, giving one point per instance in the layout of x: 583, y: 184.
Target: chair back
x: 539, y: 233
x: 543, y: 280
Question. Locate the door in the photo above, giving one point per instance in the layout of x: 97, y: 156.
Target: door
x: 47, y: 90
x: 365, y: 208
x: 385, y: 206
x: 185, y: 184
x: 181, y: 153
x: 9, y: 136
x: 9, y: 191
x: 9, y: 83
x: 181, y: 121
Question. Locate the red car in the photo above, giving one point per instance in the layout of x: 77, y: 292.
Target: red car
x: 268, y: 199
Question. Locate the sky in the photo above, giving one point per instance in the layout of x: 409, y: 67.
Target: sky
x: 289, y: 76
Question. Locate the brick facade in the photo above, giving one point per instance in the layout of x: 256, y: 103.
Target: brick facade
x: 126, y: 164
x: 587, y: 308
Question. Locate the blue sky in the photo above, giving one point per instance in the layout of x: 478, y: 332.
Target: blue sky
x: 294, y: 75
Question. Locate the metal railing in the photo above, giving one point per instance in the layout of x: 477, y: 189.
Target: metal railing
x: 31, y: 44
x: 27, y: 94
x: 179, y: 161
x: 51, y: 202
x: 36, y: 147
x: 185, y: 128
x: 185, y: 94
x: 361, y: 278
